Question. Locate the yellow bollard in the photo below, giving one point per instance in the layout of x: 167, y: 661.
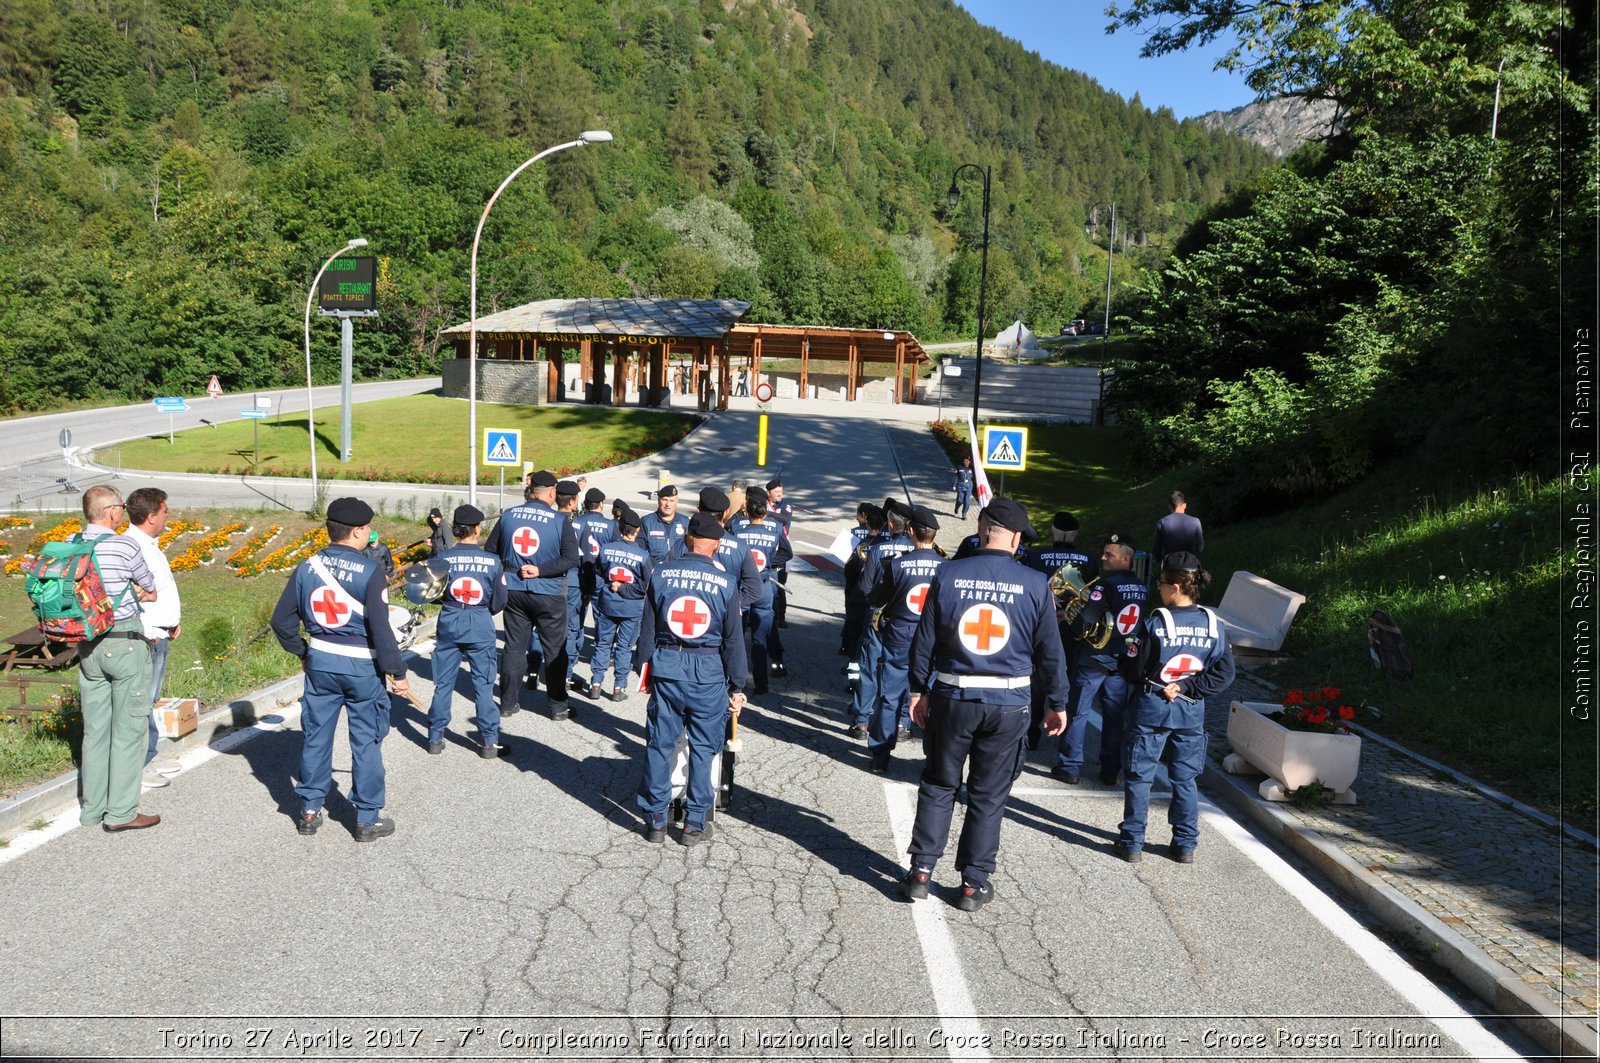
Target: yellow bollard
x: 761, y: 442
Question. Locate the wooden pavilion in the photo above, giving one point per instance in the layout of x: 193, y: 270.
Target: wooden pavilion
x: 638, y: 339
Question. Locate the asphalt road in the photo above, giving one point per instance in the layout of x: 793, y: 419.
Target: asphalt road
x: 518, y: 913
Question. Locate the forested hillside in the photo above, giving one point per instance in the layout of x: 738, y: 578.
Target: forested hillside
x: 172, y: 172
x: 1401, y: 297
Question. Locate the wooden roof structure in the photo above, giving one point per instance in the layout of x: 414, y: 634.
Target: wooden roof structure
x: 710, y: 331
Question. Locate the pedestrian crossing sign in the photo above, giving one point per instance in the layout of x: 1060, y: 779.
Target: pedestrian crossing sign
x: 1005, y: 447
x: 502, y: 446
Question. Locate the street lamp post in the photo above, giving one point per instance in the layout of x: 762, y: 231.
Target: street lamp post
x: 983, y: 272
x: 1111, y: 258
x: 590, y: 136
x: 311, y: 428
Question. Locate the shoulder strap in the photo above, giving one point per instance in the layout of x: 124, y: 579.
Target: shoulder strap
x: 1164, y: 616
x: 319, y: 568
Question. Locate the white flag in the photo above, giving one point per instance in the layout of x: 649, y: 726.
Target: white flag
x: 980, y: 476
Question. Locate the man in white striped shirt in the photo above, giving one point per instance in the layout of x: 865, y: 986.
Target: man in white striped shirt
x: 114, y: 675
x: 147, y: 519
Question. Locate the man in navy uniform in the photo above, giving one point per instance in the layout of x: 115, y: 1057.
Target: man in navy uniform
x: 987, y: 634
x: 475, y: 591
x: 663, y: 527
x: 869, y: 527
x: 964, y: 484
x: 593, y: 529
x: 895, y: 541
x: 1178, y: 532
x: 1182, y: 659
x: 623, y: 570
x: 537, y: 547
x: 691, y: 640
x: 768, y: 546
x: 1114, y: 611
x: 898, y: 595
x: 341, y: 598
x: 732, y: 551
x: 783, y: 513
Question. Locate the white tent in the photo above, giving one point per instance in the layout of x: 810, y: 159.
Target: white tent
x: 1018, y: 341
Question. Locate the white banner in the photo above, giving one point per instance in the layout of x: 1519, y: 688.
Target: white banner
x: 981, y: 486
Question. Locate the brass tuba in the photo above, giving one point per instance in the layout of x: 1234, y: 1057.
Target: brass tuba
x: 1072, y: 592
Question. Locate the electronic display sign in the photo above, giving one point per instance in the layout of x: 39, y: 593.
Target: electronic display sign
x: 349, y: 283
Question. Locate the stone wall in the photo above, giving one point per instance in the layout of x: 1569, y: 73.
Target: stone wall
x: 514, y: 383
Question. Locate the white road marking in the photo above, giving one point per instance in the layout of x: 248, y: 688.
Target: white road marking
x: 949, y: 985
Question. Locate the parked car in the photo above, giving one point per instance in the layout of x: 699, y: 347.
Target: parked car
x: 1095, y: 328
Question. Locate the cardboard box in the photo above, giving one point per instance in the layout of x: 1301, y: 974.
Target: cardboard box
x: 176, y: 717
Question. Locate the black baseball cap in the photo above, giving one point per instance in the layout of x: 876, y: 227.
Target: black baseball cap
x: 567, y: 487
x: 756, y: 493
x: 628, y: 520
x: 465, y: 515
x: 1065, y: 522
x: 593, y: 495
x: 1009, y: 514
x: 543, y: 478
x: 771, y: 484
x: 669, y: 491
x: 923, y: 517
x: 898, y: 508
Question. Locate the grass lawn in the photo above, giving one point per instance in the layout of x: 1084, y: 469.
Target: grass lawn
x: 1470, y: 571
x: 224, y: 651
x: 415, y: 439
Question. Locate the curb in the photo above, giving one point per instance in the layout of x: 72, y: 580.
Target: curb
x: 54, y: 796
x: 1532, y: 1012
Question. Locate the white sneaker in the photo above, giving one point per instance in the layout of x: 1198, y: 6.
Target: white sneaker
x: 165, y: 767
x: 154, y: 780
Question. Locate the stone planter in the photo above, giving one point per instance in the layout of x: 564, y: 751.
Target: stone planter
x: 1290, y: 759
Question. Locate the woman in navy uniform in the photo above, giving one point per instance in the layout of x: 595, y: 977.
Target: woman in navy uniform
x: 623, y: 570
x: 593, y: 529
x: 869, y: 527
x: 1182, y: 659
x: 963, y: 485
x: 783, y: 513
x: 898, y: 595
x: 475, y: 592
x: 691, y: 639
x: 341, y: 597
x: 987, y: 635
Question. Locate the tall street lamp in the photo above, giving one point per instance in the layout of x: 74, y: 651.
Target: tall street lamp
x: 1111, y: 258
x: 311, y: 295
x: 983, y: 271
x: 590, y: 136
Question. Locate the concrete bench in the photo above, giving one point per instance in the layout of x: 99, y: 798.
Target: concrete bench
x: 1257, y: 612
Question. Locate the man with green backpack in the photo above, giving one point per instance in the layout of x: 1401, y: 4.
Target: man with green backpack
x: 92, y: 597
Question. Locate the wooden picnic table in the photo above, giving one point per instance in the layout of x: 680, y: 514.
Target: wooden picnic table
x: 29, y: 648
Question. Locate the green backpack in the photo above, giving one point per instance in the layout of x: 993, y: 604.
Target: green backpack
x: 68, y: 596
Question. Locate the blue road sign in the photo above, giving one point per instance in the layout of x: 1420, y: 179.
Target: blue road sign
x: 253, y: 413
x: 502, y: 446
x: 170, y: 404
x: 1005, y: 447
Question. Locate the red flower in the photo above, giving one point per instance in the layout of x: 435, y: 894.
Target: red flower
x: 1294, y: 697
x: 1317, y: 716
x: 1330, y: 693
x: 1346, y: 712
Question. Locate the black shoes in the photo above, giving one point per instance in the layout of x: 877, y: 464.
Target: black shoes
x: 858, y: 732
x: 618, y: 695
x: 1063, y: 775
x: 914, y: 887
x: 778, y: 669
x: 1122, y: 852
x: 308, y: 822
x: 903, y: 735
x: 367, y: 832
x: 580, y: 685
x: 759, y: 689
x: 509, y: 710
x: 974, y: 897
x: 655, y: 834
x: 435, y: 748
x: 492, y: 752
x: 1109, y: 778
x: 694, y: 836
x: 559, y: 710
x: 879, y: 769
x: 1182, y: 856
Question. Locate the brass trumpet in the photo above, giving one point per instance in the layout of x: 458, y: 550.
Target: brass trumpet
x: 1072, y: 592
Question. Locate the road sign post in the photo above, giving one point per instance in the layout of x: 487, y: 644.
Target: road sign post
x: 170, y: 405
x: 1005, y: 448
x: 502, y: 447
